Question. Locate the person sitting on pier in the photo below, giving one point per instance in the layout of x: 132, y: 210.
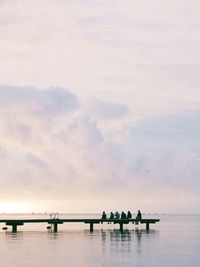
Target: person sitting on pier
x: 103, y: 217
x: 111, y: 216
x: 138, y: 217
x: 117, y: 215
x: 123, y: 215
x: 129, y: 215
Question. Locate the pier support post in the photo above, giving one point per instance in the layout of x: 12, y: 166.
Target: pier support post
x: 121, y: 227
x: 14, y: 228
x: 91, y: 227
x: 55, y: 227
x: 14, y: 224
x: 147, y: 226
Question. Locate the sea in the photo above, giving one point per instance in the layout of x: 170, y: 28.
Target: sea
x: 173, y: 242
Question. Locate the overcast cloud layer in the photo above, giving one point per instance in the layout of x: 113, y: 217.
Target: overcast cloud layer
x: 54, y: 146
x: 100, y: 102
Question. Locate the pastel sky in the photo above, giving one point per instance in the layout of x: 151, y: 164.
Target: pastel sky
x: 100, y: 105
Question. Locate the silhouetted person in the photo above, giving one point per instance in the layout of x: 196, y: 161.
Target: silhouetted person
x: 117, y: 215
x: 123, y: 215
x: 138, y: 217
x: 129, y: 215
x: 111, y: 216
x: 103, y: 216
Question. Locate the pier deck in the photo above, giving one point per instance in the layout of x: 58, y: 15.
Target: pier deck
x: 14, y: 223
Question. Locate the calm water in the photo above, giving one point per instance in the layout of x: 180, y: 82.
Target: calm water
x: 175, y: 241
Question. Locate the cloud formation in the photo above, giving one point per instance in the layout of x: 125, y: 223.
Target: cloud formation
x: 55, y: 145
x: 130, y: 52
x: 131, y: 128
x: 50, y: 143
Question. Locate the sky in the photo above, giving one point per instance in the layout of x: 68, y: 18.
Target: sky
x: 99, y: 106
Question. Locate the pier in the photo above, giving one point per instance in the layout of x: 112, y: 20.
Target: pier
x: 53, y: 223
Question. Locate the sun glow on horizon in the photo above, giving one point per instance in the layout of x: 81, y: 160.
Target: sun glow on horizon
x: 13, y: 207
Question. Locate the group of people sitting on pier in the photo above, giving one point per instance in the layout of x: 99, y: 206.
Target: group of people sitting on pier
x: 123, y: 216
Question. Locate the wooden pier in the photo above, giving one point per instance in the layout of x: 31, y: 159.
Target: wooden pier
x: 14, y: 223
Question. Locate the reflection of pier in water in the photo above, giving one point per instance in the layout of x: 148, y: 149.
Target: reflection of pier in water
x: 128, y: 240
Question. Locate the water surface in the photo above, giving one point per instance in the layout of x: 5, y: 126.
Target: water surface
x: 175, y: 241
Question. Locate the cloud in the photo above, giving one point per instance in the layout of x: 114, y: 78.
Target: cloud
x: 56, y: 145
x: 50, y: 141
x: 107, y: 110
x: 169, y: 148
x: 129, y: 52
x: 53, y: 101
x: 176, y: 129
x: 138, y: 62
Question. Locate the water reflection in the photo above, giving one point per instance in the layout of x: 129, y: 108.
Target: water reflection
x: 143, y: 234
x: 176, y: 243
x: 110, y: 246
x: 54, y: 236
x: 126, y: 241
x: 9, y: 236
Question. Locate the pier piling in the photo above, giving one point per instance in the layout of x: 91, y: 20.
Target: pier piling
x: 121, y: 227
x: 91, y: 227
x: 55, y: 227
x: 14, y: 228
